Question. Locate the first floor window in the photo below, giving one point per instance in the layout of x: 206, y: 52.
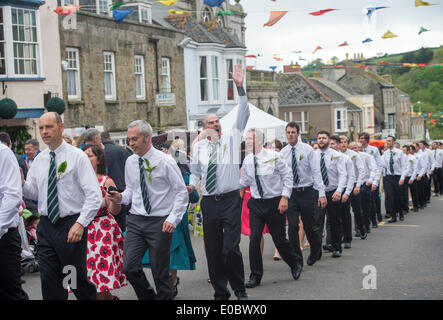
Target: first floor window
x: 299, y: 117
x: 140, y: 77
x: 215, y: 78
x: 229, y: 82
x: 341, y: 121
x: 204, y: 96
x: 166, y: 75
x: 391, y: 121
x: 109, y: 75
x: 73, y: 73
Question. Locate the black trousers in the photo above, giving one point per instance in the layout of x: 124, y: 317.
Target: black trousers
x: 359, y: 215
x: 393, y: 195
x: 428, y: 189
x: 304, y: 204
x: 263, y: 212
x: 334, y: 214
x: 346, y: 219
x: 440, y: 175
x: 404, y: 189
x: 436, y: 177
x: 221, y: 235
x: 421, y: 186
x: 413, y: 188
x: 146, y: 233
x: 57, y: 258
x: 10, y: 256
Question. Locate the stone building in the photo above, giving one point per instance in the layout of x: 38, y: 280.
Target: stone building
x: 117, y: 73
x: 263, y: 90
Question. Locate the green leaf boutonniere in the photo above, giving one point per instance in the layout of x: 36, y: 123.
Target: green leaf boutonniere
x: 334, y: 158
x: 301, y: 157
x: 225, y: 148
x: 61, y: 169
x: 271, y: 160
x: 411, y: 161
x: 372, y: 151
x: 149, y: 169
x: 353, y: 157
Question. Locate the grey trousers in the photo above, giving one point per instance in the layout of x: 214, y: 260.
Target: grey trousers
x: 144, y: 233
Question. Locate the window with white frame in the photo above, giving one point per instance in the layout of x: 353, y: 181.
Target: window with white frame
x: 230, y: 95
x: 299, y: 117
x: 109, y: 76
x: 145, y: 15
x: 103, y: 6
x: 166, y: 75
x: 215, y: 79
x: 140, y: 77
x: 368, y: 117
x: 209, y: 79
x: 24, y: 41
x: 2, y: 45
x: 73, y: 73
x: 204, y: 95
x: 341, y: 120
x: 70, y: 2
x: 206, y: 15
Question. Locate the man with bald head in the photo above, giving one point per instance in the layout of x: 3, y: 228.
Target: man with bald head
x: 216, y: 160
x: 63, y: 182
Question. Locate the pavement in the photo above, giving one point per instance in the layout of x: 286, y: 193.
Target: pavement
x: 398, y: 261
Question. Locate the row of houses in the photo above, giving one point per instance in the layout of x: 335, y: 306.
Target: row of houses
x: 169, y: 69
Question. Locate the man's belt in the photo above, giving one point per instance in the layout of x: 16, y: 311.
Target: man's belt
x: 300, y: 189
x: 218, y: 197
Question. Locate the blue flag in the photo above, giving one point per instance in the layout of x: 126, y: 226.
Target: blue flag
x: 120, y: 15
x: 367, y: 40
x: 213, y: 3
x: 273, y: 68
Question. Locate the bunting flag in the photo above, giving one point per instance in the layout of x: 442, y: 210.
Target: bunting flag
x: 120, y: 15
x: 422, y: 30
x: 343, y: 44
x: 66, y: 10
x: 213, y: 3
x: 297, y: 51
x: 300, y: 58
x: 275, y: 17
x: 419, y: 3
x: 251, y: 56
x: 318, y: 48
x: 367, y: 40
x: 249, y: 67
x: 278, y: 59
x: 321, y: 12
x: 371, y: 10
x: 176, y: 12
x: 116, y: 5
x: 273, y: 68
x: 168, y: 2
x: 226, y: 13
x: 388, y: 34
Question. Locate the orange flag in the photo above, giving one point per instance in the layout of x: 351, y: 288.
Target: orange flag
x: 318, y: 48
x: 343, y: 44
x: 274, y: 18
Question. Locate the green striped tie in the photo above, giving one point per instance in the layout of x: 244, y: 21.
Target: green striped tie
x: 295, y: 167
x: 212, y: 170
x: 324, y: 172
x: 257, y: 179
x: 52, y: 201
x: 391, y: 163
x: 144, y: 187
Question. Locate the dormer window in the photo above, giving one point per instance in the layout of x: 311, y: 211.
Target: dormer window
x: 144, y: 14
x: 220, y: 22
x: 103, y: 6
x: 206, y: 15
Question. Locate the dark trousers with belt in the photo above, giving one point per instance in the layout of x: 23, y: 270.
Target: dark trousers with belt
x: 359, y: 218
x: 393, y: 195
x: 405, y: 195
x: 304, y: 203
x: 261, y: 212
x: 146, y: 233
x: 221, y: 235
x: 334, y: 215
x: 60, y: 262
x: 10, y: 256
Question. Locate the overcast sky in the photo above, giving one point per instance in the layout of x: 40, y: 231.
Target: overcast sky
x: 298, y: 30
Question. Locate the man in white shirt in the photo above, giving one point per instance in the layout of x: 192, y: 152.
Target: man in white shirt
x: 422, y: 165
x: 10, y: 241
x: 437, y: 155
x: 409, y: 163
x: 424, y: 147
x: 308, y: 194
x: 270, y: 179
x: 63, y: 182
x: 216, y: 159
x: 412, y: 182
x: 335, y: 177
x: 393, y: 163
x: 32, y: 147
x: 363, y: 138
x: 158, y: 197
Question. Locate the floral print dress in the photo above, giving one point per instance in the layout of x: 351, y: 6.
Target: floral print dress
x: 105, y: 250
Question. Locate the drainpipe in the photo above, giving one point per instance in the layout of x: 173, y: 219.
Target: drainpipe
x: 157, y: 89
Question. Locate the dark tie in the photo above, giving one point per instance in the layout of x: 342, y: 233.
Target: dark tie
x: 257, y: 179
x: 211, y: 177
x: 391, y: 162
x: 52, y: 201
x: 295, y: 168
x: 144, y: 187
x: 324, y: 171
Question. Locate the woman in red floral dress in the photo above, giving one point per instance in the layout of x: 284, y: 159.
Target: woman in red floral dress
x: 105, y: 239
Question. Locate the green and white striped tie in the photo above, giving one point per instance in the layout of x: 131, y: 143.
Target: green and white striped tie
x: 257, y: 179
x: 324, y: 171
x: 144, y: 187
x: 211, y: 177
x: 52, y: 201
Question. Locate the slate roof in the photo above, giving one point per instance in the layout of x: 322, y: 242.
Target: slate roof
x: 334, y: 93
x: 294, y: 90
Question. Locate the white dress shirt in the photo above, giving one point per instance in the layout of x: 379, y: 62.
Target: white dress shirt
x: 308, y: 169
x: 359, y: 167
x: 398, y: 157
x: 422, y: 163
x: 273, y: 172
x: 336, y: 166
x: 431, y: 162
x: 409, y: 162
x: 371, y: 173
x: 10, y: 190
x: 228, y: 156
x: 374, y: 152
x: 77, y: 188
x: 437, y: 154
x: 167, y: 193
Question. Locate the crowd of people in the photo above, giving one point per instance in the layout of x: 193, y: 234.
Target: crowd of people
x: 109, y: 211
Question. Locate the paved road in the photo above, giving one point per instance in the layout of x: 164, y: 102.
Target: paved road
x: 407, y: 257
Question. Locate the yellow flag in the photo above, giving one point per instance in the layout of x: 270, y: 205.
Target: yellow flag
x: 421, y: 3
x: 176, y: 12
x: 388, y: 34
x: 168, y: 2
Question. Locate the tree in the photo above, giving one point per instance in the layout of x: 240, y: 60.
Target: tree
x: 424, y: 55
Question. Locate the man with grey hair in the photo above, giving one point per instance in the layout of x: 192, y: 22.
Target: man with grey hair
x: 31, y: 151
x: 93, y: 136
x: 216, y: 159
x: 157, y: 192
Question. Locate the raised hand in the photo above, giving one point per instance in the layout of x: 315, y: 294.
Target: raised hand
x: 238, y: 75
